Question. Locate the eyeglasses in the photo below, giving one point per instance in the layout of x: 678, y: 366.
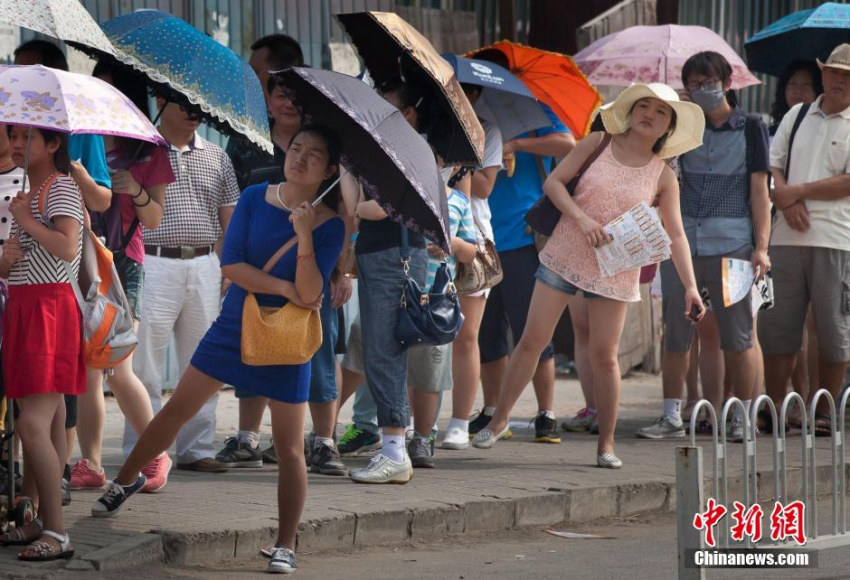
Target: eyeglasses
x: 706, y: 84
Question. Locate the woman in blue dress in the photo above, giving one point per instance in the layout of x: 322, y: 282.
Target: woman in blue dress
x: 266, y: 217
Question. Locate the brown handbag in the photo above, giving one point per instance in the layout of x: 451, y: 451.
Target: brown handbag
x: 290, y: 335
x: 485, y: 269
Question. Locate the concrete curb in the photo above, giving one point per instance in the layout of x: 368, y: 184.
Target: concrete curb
x: 347, y: 531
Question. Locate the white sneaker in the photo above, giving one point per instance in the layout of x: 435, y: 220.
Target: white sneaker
x: 382, y: 469
x: 485, y: 439
x: 736, y: 430
x: 456, y: 438
x: 662, y: 428
x: 582, y: 422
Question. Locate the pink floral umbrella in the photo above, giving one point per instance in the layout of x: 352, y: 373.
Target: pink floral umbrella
x: 652, y: 54
x: 63, y: 19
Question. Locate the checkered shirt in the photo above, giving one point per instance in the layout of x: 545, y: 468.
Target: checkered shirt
x: 204, y: 183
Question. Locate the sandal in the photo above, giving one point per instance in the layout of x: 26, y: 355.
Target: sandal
x: 822, y: 426
x: 43, y: 551
x: 20, y: 537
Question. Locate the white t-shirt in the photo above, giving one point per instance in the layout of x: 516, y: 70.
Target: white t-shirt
x: 10, y: 184
x: 492, y: 158
x: 821, y: 150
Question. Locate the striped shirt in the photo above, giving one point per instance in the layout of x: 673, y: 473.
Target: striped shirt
x: 461, y: 225
x: 204, y: 183
x: 38, y: 266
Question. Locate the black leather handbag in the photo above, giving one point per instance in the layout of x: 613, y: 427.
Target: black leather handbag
x: 427, y: 316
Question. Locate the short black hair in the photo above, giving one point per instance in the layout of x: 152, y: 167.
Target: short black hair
x: 334, y: 144
x: 709, y: 63
x: 780, y: 105
x: 284, y: 51
x: 61, y: 159
x: 51, y: 55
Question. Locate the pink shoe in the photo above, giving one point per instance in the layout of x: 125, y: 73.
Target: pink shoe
x: 156, y: 473
x: 84, y: 477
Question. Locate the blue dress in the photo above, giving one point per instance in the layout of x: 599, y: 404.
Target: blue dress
x: 257, y: 230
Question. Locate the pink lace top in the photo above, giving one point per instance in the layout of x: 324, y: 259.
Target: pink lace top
x: 606, y: 190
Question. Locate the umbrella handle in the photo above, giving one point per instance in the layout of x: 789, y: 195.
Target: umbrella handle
x: 27, y: 160
x: 329, y: 188
x: 142, y: 143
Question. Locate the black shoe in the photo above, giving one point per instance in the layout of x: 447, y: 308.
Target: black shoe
x: 325, y: 460
x: 270, y: 455
x: 66, y: 492
x: 478, y: 423
x: 238, y: 454
x: 358, y: 442
x: 419, y: 451
x: 546, y: 429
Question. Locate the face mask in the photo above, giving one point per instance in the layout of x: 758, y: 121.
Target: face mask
x: 446, y: 173
x: 708, y: 99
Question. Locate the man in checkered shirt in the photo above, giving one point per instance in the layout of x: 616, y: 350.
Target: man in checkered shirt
x: 182, y: 274
x: 726, y: 214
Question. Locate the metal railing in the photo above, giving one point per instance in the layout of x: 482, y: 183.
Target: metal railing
x: 689, y: 472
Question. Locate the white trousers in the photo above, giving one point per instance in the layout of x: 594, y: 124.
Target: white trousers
x: 183, y: 297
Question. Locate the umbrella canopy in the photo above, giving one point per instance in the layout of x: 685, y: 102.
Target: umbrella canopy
x: 66, y: 20
x: 391, y: 48
x: 555, y: 80
x: 394, y: 164
x: 72, y: 103
x: 802, y: 35
x: 191, y: 69
x: 514, y: 108
x: 655, y: 54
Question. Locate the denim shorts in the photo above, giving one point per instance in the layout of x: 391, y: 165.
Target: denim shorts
x: 554, y: 281
x: 132, y: 276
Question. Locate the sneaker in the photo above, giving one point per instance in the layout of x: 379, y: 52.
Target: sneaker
x: 735, y: 434
x: 478, y: 423
x: 546, y: 429
x: 420, y: 453
x: 662, y: 428
x: 583, y: 421
x: 608, y: 460
x: 282, y: 561
x: 239, y: 454
x: 84, y: 477
x: 485, y: 439
x: 325, y: 459
x: 156, y: 473
x: 382, y: 469
x: 114, y: 497
x: 270, y: 455
x: 356, y: 442
x: 66, y: 492
x: 456, y: 438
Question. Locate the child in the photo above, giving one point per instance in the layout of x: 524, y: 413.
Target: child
x: 42, y: 329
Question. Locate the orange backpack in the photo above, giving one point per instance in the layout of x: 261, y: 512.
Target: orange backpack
x: 109, y: 336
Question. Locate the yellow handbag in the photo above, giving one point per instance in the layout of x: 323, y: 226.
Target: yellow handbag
x: 290, y: 335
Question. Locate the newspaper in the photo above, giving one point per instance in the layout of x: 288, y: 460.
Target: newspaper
x: 738, y: 279
x: 637, y: 239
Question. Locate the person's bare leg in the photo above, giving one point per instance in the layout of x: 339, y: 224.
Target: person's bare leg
x: 777, y: 369
x: 70, y: 439
x: 546, y: 307
x: 492, y: 375
x: 194, y: 389
x: 581, y: 331
x: 800, y: 374
x: 132, y: 397
x: 607, y: 318
x: 831, y: 376
x: 324, y: 418
x: 424, y: 406
x: 674, y: 368
x: 92, y: 415
x: 758, y: 361
x: 812, y: 350
x: 544, y: 384
x: 712, y: 367
x: 740, y: 369
x: 288, y: 435
x: 351, y: 381
x: 466, y: 358
x: 251, y: 411
x: 41, y: 426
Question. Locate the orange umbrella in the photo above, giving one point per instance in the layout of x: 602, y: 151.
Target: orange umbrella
x: 553, y: 78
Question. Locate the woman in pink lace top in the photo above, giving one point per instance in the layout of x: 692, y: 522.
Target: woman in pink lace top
x: 648, y: 123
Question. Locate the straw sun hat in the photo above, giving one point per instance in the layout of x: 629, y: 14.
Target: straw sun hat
x: 690, y: 120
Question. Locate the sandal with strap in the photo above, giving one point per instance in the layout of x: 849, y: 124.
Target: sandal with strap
x: 822, y: 426
x: 20, y: 537
x: 43, y: 551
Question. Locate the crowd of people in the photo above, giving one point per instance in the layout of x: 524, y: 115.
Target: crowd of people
x: 198, y: 229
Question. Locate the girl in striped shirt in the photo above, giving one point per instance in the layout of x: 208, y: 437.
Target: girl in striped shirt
x: 42, y: 329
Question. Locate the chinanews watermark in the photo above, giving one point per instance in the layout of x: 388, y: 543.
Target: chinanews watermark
x: 786, y: 524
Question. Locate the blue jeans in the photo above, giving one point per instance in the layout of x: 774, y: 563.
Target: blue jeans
x: 365, y: 411
x: 323, y: 365
x: 380, y: 280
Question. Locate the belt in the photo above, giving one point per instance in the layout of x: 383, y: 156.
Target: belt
x: 179, y: 253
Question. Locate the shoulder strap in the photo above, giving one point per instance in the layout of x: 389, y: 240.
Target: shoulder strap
x: 44, y: 192
x: 797, y: 122
x: 606, y: 138
x: 750, y: 136
x: 405, y: 244
x: 288, y: 246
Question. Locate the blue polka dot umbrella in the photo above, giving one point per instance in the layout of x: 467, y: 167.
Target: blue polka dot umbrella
x: 191, y: 69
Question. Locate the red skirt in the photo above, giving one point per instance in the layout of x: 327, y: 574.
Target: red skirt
x: 43, y: 341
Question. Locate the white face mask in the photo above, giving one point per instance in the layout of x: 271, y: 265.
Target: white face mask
x: 446, y: 173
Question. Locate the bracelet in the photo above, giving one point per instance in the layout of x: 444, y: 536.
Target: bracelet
x: 303, y: 257
x: 141, y: 204
x: 141, y: 189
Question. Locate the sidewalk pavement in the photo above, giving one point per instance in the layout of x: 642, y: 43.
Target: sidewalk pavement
x: 203, y: 518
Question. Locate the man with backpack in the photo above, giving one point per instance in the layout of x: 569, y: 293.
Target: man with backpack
x: 810, y: 163
x: 726, y: 214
